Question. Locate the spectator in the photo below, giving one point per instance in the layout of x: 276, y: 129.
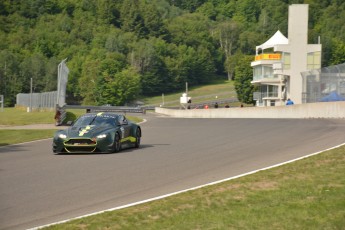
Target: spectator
x: 57, y: 117
x: 289, y: 102
x: 227, y: 106
x: 216, y: 105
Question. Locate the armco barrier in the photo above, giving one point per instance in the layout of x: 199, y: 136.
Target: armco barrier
x: 60, y: 112
x: 116, y: 109
x: 311, y: 110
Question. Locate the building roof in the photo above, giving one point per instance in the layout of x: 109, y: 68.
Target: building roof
x: 277, y: 39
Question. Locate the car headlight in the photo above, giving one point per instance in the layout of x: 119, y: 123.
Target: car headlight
x: 101, y: 136
x: 62, y: 136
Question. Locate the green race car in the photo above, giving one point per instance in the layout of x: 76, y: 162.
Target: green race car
x: 103, y: 132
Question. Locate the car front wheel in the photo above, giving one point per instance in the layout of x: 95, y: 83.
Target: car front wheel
x: 138, y: 137
x: 117, y: 143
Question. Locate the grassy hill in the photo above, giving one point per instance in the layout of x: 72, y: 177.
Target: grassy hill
x: 218, y: 90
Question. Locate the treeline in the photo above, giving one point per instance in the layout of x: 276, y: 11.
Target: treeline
x: 118, y: 51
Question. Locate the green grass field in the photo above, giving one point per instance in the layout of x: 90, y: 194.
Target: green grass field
x: 17, y: 117
x: 221, y: 89
x: 9, y: 137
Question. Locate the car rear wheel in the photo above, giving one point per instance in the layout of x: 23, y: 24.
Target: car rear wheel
x: 138, y: 137
x: 117, y: 143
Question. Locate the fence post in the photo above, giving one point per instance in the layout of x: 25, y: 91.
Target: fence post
x: 2, y: 102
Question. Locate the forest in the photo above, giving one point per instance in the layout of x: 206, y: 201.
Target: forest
x: 121, y: 50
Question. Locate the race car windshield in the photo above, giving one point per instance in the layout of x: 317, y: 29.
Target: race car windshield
x: 95, y: 120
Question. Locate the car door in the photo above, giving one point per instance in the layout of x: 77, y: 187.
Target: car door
x: 125, y: 128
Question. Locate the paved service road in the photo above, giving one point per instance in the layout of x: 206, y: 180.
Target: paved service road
x: 38, y: 187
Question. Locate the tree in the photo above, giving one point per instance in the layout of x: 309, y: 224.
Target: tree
x: 154, y: 80
x: 190, y: 5
x: 89, y: 78
x: 10, y: 81
x: 131, y: 18
x: 169, y: 41
x: 247, y: 10
x: 338, y: 54
x: 227, y: 34
x: 121, y: 88
x: 152, y: 20
x: 191, y: 29
x: 50, y: 80
x: 243, y: 77
x: 34, y: 67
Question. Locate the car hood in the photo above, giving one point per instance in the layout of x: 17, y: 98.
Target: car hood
x: 88, y: 131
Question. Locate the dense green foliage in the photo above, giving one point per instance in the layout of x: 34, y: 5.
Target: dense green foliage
x: 120, y: 50
x: 243, y: 77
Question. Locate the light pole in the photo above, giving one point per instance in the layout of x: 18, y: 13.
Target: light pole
x: 30, y: 108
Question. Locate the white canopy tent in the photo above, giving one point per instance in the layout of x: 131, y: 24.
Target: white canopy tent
x: 277, y: 39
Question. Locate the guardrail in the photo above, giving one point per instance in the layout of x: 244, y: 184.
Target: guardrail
x: 213, y: 103
x: 60, y: 114
x: 196, y: 105
x: 118, y: 109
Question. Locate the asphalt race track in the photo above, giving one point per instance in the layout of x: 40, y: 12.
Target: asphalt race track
x: 39, y: 187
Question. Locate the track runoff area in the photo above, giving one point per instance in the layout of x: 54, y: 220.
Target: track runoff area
x: 186, y: 190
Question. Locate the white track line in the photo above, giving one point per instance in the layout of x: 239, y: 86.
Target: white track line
x: 186, y: 190
x: 28, y: 142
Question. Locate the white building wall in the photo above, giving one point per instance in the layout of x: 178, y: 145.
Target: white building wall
x: 298, y: 42
x: 297, y: 48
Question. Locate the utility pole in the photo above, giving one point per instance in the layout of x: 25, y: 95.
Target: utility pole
x: 163, y: 99
x: 30, y: 108
x: 2, y: 102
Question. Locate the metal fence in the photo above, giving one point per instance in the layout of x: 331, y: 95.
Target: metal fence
x: 325, y: 84
x: 62, y: 83
x: 47, y: 99
x: 37, y: 100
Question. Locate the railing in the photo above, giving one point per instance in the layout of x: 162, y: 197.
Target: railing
x: 121, y: 109
x: 37, y: 100
x: 265, y: 76
x: 60, y: 114
x: 268, y: 56
x: 261, y: 95
x: 211, y: 103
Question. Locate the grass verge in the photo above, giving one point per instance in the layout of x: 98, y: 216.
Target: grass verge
x: 9, y: 137
x: 221, y: 88
x: 15, y: 116
x: 307, y: 194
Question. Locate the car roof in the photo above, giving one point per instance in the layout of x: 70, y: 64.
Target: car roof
x: 102, y: 114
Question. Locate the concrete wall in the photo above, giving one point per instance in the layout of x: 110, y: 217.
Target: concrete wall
x: 311, y: 110
x: 298, y: 43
